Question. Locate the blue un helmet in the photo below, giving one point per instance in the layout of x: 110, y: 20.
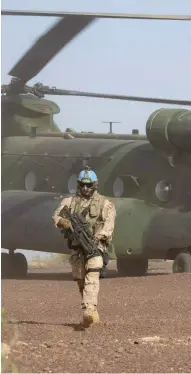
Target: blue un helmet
x: 87, y: 182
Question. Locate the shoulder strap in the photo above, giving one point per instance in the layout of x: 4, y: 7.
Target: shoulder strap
x: 73, y: 202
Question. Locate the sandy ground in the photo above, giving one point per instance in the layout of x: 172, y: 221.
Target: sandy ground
x: 145, y: 323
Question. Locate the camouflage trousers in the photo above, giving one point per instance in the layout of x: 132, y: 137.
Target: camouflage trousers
x: 87, y: 276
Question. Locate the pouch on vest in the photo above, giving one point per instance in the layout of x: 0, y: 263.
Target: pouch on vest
x: 94, y: 210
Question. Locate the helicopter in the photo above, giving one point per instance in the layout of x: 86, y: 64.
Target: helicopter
x: 147, y: 177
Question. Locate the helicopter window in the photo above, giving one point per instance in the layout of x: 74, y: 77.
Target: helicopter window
x: 72, y: 184
x: 30, y: 181
x: 163, y: 191
x: 118, y: 187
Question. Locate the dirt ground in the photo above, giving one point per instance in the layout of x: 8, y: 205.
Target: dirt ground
x: 145, y: 323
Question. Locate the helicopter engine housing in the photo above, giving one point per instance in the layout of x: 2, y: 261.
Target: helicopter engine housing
x: 170, y: 130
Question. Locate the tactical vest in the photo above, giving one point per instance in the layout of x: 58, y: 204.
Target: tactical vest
x: 92, y: 213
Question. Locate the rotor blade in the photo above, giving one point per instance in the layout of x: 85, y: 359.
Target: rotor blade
x: 55, y: 91
x: 7, y: 12
x: 48, y: 45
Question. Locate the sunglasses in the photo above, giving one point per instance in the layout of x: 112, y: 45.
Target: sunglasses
x: 88, y: 185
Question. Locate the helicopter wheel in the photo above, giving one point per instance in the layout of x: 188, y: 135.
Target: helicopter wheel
x: 132, y: 267
x: 182, y: 263
x: 13, y: 265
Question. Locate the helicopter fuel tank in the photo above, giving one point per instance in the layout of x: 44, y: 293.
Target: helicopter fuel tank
x: 170, y: 130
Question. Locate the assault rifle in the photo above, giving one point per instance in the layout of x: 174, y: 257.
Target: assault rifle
x: 80, y: 232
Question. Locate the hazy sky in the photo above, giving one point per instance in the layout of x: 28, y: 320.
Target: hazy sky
x: 132, y: 57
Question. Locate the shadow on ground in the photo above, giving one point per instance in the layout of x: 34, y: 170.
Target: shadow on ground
x: 74, y: 326
x: 61, y: 276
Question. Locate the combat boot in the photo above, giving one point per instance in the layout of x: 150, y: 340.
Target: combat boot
x: 95, y: 316
x: 90, y: 316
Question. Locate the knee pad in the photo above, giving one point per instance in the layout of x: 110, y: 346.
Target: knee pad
x: 94, y: 265
x: 93, y: 270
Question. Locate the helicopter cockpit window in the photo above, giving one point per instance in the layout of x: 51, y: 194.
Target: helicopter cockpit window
x: 30, y: 181
x: 163, y: 191
x: 118, y: 187
x: 72, y: 181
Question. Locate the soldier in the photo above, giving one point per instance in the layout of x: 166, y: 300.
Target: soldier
x: 100, y: 213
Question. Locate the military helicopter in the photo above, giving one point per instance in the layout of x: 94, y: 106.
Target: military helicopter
x: 147, y: 177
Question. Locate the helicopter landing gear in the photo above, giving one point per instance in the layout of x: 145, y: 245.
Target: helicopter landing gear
x: 132, y: 267
x: 13, y: 265
x: 182, y: 263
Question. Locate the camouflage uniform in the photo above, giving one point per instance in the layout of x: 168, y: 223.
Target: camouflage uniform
x: 101, y: 216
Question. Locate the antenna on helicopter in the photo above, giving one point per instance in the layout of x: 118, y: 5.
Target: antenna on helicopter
x: 110, y: 125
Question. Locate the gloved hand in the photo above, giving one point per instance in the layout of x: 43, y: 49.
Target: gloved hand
x: 98, y: 238
x: 65, y: 223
